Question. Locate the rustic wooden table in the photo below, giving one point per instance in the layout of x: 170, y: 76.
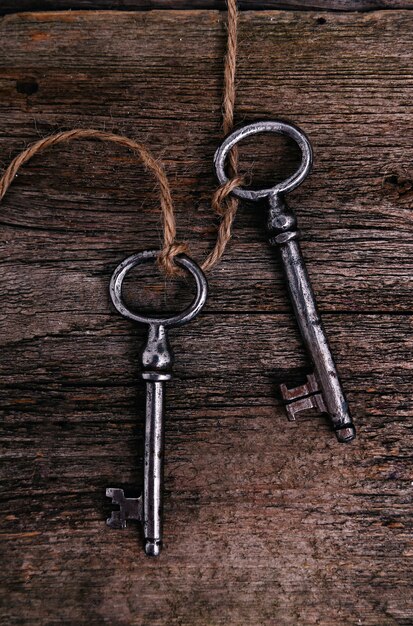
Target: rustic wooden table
x: 266, y: 523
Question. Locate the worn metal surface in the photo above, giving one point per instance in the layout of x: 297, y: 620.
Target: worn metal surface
x: 13, y: 6
x: 283, y: 230
x: 156, y: 362
x: 268, y: 523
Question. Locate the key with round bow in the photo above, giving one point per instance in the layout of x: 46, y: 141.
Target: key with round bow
x: 156, y: 361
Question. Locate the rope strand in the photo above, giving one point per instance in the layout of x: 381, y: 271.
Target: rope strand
x: 223, y: 205
x: 170, y: 246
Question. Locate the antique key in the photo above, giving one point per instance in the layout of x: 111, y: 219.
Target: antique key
x: 323, y: 390
x: 157, y: 361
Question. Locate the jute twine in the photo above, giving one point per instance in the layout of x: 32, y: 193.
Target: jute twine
x: 224, y: 205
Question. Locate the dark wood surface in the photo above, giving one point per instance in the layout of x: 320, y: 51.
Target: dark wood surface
x: 14, y: 6
x: 266, y: 522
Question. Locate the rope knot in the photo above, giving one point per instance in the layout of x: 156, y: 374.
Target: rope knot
x: 223, y: 205
x: 221, y: 202
x: 166, y: 258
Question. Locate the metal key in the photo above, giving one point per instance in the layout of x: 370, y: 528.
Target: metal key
x: 323, y: 390
x: 157, y: 361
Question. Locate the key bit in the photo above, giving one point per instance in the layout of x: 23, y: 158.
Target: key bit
x: 301, y: 399
x: 129, y: 508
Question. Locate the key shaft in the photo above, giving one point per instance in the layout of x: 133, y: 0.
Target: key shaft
x: 157, y: 361
x: 153, y: 468
x: 282, y: 226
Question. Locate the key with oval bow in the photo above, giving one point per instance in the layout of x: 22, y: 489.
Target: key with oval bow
x: 157, y: 362
x: 323, y: 390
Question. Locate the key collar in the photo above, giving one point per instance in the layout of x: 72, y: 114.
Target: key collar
x: 274, y: 126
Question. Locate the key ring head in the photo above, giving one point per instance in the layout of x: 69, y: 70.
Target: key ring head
x: 118, y: 276
x: 274, y: 126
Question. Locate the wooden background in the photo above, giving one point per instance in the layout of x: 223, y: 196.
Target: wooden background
x: 266, y: 522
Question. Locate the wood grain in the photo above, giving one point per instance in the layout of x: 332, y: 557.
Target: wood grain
x: 11, y: 6
x: 266, y: 522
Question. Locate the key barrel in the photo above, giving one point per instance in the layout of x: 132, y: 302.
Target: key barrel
x: 157, y: 359
x: 153, y: 470
x: 282, y: 226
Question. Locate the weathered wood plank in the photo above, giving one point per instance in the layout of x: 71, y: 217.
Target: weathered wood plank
x: 11, y: 6
x: 266, y: 522
x: 282, y: 509
x: 353, y: 210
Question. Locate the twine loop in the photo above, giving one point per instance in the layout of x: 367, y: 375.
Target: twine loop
x: 221, y: 200
x: 166, y: 258
x: 224, y: 205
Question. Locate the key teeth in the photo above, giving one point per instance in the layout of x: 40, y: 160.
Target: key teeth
x: 117, y: 495
x: 129, y: 508
x: 302, y: 398
x: 284, y: 392
x: 115, y: 521
x: 296, y: 393
x: 290, y: 413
